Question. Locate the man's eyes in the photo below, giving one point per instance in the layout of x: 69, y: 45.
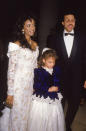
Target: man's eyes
x: 69, y: 20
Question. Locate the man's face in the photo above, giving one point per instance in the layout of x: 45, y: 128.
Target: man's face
x: 69, y: 22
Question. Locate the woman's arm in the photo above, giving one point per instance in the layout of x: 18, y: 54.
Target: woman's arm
x: 12, y: 54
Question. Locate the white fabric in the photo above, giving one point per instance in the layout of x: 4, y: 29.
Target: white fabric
x: 22, y: 62
x: 50, y: 70
x: 45, y: 116
x: 45, y: 49
x: 48, y: 99
x: 68, y: 42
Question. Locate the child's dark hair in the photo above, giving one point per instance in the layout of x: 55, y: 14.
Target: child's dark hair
x: 45, y: 55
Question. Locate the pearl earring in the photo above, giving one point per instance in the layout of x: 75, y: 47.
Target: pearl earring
x: 22, y: 31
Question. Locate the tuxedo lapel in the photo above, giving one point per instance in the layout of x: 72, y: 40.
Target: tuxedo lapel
x: 63, y: 47
x: 75, y: 45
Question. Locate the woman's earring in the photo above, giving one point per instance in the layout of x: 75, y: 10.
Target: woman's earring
x: 23, y: 31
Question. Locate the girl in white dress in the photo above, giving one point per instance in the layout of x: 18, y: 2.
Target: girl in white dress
x: 46, y: 113
x: 22, y: 55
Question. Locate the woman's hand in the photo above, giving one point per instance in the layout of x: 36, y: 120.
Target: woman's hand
x: 53, y: 89
x: 9, y: 100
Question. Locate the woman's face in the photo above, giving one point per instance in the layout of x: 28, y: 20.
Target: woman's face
x: 29, y: 27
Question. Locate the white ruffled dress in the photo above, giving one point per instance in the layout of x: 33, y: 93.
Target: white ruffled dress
x: 22, y: 62
x: 46, y: 114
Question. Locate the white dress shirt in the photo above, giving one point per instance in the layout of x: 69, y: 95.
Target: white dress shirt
x: 68, y: 40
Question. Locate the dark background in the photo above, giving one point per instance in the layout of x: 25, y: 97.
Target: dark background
x: 11, y: 9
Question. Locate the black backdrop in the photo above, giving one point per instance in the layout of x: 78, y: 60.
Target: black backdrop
x: 10, y: 11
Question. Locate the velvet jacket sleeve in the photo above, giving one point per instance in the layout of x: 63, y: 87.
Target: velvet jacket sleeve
x: 40, y: 83
x: 56, y: 75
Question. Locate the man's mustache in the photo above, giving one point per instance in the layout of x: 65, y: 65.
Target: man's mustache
x: 70, y: 25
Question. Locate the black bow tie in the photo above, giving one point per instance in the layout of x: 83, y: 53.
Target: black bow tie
x: 72, y: 34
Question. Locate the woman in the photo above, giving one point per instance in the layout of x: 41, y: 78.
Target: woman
x: 22, y: 53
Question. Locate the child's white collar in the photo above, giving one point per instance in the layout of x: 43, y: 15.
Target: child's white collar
x: 49, y: 70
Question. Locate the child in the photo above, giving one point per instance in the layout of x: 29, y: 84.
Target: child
x: 46, y: 112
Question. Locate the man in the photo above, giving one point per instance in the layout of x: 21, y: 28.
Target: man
x: 69, y: 46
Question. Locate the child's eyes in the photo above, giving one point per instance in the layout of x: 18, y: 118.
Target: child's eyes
x: 29, y: 25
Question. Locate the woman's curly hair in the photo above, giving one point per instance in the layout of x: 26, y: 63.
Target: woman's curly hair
x: 17, y: 31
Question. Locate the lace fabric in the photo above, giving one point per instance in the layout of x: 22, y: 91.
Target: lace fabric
x: 48, y: 100
x: 22, y: 62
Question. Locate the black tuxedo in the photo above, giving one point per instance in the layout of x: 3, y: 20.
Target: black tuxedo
x: 71, y: 68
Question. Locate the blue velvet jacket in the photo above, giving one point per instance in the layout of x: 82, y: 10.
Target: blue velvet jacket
x: 43, y: 80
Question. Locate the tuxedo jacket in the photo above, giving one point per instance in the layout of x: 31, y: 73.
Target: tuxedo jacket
x: 71, y: 68
x: 43, y: 80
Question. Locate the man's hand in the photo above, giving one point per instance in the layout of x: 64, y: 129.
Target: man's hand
x: 85, y: 84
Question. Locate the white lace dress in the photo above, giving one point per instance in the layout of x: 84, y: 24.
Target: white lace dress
x: 22, y: 62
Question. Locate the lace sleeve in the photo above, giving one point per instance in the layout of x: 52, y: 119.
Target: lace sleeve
x: 36, y: 61
x: 11, y: 72
x: 12, y: 54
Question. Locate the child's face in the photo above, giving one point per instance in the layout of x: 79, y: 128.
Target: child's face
x: 49, y: 62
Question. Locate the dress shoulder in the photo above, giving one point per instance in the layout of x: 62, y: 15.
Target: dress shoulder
x: 38, y: 70
x: 57, y: 68
x: 12, y: 47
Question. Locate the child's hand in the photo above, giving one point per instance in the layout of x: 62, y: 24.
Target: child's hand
x: 53, y: 89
